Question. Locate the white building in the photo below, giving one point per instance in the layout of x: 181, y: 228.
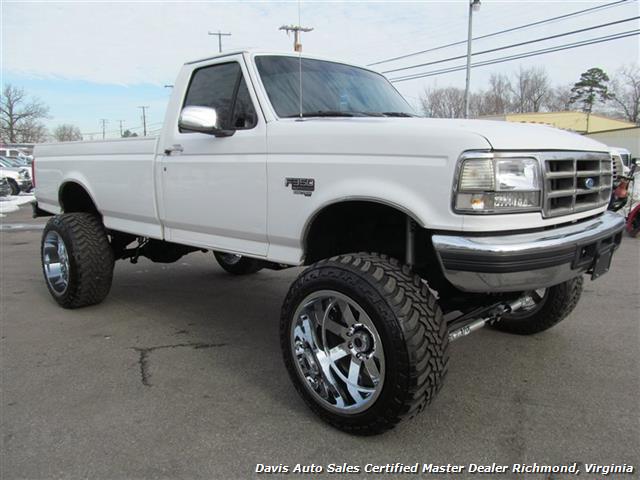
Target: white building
x: 628, y: 138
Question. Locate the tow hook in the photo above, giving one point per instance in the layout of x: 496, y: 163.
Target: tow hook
x: 487, y: 316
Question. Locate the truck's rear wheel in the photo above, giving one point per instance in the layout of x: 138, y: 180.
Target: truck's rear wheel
x: 364, y: 342
x: 77, y: 259
x: 237, y: 264
x: 549, y: 306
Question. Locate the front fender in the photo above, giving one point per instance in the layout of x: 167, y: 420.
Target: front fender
x: 417, y: 186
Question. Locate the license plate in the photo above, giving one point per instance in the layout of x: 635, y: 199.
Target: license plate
x: 601, y: 264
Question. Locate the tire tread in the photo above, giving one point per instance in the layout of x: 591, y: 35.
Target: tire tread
x: 424, y: 365
x: 91, y: 258
x: 562, y: 300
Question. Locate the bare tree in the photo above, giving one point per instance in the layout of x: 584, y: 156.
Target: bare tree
x: 67, y: 133
x: 558, y: 99
x: 20, y: 116
x: 32, y: 131
x: 530, y: 89
x: 445, y: 102
x: 625, y: 88
x: 479, y: 105
x: 497, y: 99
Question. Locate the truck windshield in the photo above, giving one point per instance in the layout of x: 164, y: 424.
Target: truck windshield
x: 329, y: 89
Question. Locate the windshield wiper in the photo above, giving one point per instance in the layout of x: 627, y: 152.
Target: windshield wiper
x: 323, y: 113
x: 338, y: 113
x: 398, y: 114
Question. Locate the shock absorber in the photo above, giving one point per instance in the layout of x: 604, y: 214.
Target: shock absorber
x: 492, y: 314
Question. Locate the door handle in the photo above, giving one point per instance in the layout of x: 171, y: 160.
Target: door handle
x: 173, y: 148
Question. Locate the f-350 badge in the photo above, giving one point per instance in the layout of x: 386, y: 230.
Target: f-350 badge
x: 301, y: 186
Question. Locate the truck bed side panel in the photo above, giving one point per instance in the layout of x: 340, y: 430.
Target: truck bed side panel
x: 117, y: 174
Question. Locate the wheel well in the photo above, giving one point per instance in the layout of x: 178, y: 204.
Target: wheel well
x: 74, y: 198
x: 355, y: 226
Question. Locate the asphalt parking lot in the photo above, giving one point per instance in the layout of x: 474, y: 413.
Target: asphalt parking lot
x: 178, y: 374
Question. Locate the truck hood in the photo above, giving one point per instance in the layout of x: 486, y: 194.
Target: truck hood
x: 519, y: 136
x: 411, y: 135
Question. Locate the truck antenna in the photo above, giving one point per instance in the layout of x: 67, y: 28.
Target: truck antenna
x: 297, y: 47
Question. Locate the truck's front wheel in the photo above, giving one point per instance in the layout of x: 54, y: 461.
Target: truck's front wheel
x: 364, y: 342
x: 548, y: 307
x: 77, y: 259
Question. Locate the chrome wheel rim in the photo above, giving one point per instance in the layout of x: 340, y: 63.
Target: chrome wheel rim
x: 55, y: 260
x: 337, y: 352
x: 231, y: 258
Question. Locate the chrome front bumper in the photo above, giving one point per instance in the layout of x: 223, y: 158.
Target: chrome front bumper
x: 525, y: 261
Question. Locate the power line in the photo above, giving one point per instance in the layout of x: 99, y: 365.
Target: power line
x: 513, y: 29
x: 521, y: 55
x: 116, y: 131
x: 533, y: 53
x: 513, y: 45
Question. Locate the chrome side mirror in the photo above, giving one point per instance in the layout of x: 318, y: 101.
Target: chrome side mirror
x: 202, y: 120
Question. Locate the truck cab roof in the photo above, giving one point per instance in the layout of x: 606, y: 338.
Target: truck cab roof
x: 258, y: 51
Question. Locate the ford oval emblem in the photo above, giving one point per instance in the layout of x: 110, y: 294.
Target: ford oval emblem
x: 589, y: 183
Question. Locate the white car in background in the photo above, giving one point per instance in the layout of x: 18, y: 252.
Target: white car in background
x: 621, y: 160
x: 17, y: 154
x: 18, y: 177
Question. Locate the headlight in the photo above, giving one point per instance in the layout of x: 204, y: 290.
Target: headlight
x: 498, y: 185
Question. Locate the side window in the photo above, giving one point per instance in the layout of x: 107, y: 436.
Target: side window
x: 223, y: 87
x: 244, y: 115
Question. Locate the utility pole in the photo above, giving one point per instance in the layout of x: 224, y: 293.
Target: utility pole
x: 144, y: 118
x: 121, y: 122
x: 104, y: 122
x: 296, y: 29
x: 474, y: 6
x: 219, y: 34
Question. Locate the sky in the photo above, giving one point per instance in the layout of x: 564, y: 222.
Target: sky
x: 95, y: 60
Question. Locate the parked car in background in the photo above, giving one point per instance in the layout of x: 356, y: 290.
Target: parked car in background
x: 26, y: 158
x: 5, y: 188
x: 621, y: 160
x: 19, y: 178
x: 617, y: 167
x: 14, y: 164
x: 17, y: 154
x: 11, y: 163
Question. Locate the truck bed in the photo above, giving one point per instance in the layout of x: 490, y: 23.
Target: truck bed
x: 118, y: 174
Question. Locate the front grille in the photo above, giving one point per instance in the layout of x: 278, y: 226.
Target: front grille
x: 575, y: 182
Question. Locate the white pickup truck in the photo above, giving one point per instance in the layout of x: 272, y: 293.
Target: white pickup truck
x: 416, y: 231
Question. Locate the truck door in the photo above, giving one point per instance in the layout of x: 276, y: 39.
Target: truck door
x: 214, y: 191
